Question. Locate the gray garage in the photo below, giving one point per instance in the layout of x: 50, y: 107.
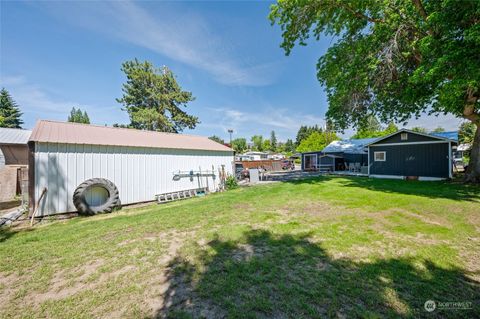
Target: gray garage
x: 411, y: 154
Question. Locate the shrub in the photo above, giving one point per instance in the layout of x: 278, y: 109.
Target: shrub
x: 231, y: 182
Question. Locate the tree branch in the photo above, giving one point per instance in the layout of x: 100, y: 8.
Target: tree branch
x: 357, y: 14
x: 420, y: 8
x: 469, y: 109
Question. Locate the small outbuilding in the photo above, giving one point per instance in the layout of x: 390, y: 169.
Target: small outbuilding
x: 338, y: 155
x: 407, y: 153
x: 13, y: 162
x: 141, y: 164
x: 13, y: 146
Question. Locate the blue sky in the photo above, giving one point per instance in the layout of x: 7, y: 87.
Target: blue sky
x: 55, y: 55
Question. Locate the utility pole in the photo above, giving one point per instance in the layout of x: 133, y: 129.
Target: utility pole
x: 230, y: 131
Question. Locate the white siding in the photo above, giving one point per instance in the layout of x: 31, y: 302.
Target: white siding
x: 139, y: 173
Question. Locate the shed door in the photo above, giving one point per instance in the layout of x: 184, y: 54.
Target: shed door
x: 310, y: 161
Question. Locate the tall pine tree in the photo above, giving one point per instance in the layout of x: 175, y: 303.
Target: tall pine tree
x: 77, y: 116
x: 154, y: 100
x: 10, y: 115
x: 273, y: 142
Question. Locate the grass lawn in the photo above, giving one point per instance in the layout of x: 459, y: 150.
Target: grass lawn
x: 323, y: 247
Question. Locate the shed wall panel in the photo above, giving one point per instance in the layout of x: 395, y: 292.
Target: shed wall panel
x: 429, y: 160
x: 139, y: 173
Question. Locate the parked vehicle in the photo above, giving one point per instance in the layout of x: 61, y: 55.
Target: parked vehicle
x: 288, y: 165
x: 241, y: 172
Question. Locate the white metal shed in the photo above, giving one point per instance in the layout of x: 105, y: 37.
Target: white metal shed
x: 141, y: 164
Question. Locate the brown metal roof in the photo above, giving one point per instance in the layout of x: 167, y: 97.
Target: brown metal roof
x: 75, y: 133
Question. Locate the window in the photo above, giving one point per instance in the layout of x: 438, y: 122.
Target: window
x: 379, y: 156
x: 404, y: 136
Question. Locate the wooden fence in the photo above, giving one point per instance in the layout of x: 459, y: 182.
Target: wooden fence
x: 269, y: 165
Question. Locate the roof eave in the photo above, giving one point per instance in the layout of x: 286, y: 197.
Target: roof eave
x: 409, y: 131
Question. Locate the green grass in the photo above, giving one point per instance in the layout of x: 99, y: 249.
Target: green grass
x: 323, y: 247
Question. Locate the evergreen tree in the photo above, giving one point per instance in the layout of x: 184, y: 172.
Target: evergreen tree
x: 86, y: 119
x: 154, y: 100
x: 273, y: 142
x: 289, y: 147
x: 77, y: 116
x: 10, y: 114
x: 305, y: 132
x: 301, y: 135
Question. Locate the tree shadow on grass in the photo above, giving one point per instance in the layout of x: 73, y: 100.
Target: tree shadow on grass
x: 6, y: 233
x: 443, y: 189
x: 270, y: 276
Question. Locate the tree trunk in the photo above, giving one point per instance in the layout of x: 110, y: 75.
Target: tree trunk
x: 472, y: 175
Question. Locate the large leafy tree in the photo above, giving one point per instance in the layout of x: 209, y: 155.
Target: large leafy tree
x: 154, y: 100
x: 257, y: 141
x: 438, y: 129
x: 239, y: 145
x: 419, y: 129
x: 466, y: 133
x: 77, y: 116
x: 316, y: 141
x: 267, y: 145
x: 10, y: 115
x: 393, y: 59
x: 372, y: 128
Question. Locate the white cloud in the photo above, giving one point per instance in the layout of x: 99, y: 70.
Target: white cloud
x: 286, y: 122
x: 178, y: 34
x: 283, y: 121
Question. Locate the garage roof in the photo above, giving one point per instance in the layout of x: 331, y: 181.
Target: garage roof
x: 75, y: 133
x: 14, y: 136
x: 446, y: 136
x: 353, y: 146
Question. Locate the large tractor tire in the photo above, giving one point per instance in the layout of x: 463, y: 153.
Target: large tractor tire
x: 80, y: 200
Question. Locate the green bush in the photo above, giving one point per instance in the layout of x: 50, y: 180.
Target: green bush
x: 231, y: 182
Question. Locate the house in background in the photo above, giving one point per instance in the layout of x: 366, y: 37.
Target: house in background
x: 338, y: 155
x: 255, y: 156
x: 462, y: 151
x: 275, y: 157
x: 411, y: 154
x: 402, y: 154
